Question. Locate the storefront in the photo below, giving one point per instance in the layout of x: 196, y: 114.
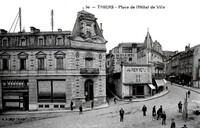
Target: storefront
x: 15, y: 95
x: 136, y: 81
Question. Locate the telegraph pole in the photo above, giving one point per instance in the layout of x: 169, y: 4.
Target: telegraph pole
x: 20, y: 20
x: 52, y: 22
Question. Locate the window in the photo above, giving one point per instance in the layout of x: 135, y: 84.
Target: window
x: 88, y: 63
x: 22, y: 64
x: 51, y: 91
x: 59, y: 41
x: 127, y: 50
x: 5, y: 42
x: 137, y: 78
x: 5, y: 64
x: 130, y: 59
x: 40, y: 63
x: 22, y: 42
x: 59, y: 63
x: 41, y: 42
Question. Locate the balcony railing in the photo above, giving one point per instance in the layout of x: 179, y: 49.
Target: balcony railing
x: 87, y: 71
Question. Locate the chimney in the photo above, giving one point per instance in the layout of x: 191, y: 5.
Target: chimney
x: 60, y: 30
x: 3, y: 31
x: 32, y: 29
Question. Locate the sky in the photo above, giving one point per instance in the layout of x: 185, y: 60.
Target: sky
x: 175, y: 25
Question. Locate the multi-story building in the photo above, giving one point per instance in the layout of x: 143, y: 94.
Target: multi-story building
x: 146, y: 56
x: 48, y: 70
x: 185, y: 66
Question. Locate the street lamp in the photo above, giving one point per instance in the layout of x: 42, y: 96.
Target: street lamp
x: 185, y: 114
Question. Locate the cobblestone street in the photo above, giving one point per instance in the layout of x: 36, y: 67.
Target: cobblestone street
x: 109, y: 117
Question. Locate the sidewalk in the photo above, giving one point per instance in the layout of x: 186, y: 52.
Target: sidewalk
x: 53, y: 111
x: 194, y: 89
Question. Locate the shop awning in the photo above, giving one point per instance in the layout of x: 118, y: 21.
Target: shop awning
x: 160, y: 83
x: 151, y: 86
x: 164, y: 81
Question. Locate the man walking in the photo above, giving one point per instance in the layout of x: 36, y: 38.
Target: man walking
x: 180, y: 107
x: 121, y: 113
x: 163, y: 116
x: 154, y: 112
x: 173, y: 124
x: 144, y: 109
x: 80, y: 109
x: 188, y: 94
x: 71, y: 105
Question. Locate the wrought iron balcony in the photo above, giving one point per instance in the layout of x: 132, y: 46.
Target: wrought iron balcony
x: 88, y: 71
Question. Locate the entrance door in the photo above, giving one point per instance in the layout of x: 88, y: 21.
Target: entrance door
x: 140, y: 90
x: 89, y: 95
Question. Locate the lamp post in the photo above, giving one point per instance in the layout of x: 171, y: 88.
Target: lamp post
x: 185, y: 113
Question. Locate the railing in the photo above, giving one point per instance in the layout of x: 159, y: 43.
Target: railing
x: 87, y: 71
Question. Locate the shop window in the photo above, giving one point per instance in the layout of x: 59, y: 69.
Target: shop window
x: 88, y: 62
x: 5, y: 64
x: 44, y: 91
x: 51, y: 91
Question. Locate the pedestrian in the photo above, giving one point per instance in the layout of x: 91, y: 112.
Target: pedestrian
x: 71, y: 105
x: 92, y: 104
x: 163, y: 116
x: 161, y: 109
x: 173, y: 124
x: 144, y: 109
x: 80, y: 109
x: 159, y: 112
x: 184, y: 126
x: 188, y: 94
x: 121, y: 114
x: 180, y: 107
x: 154, y: 112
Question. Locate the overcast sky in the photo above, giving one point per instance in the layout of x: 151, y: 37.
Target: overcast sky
x: 174, y: 26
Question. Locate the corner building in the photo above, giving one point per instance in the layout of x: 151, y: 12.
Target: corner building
x: 48, y: 70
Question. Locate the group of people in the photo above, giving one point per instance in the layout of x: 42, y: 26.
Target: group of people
x: 80, y: 107
x: 155, y: 114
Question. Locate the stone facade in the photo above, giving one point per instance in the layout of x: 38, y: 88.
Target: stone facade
x: 53, y: 68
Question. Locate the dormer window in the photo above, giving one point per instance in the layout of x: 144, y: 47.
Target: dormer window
x: 22, y: 42
x: 5, y: 42
x: 41, y: 41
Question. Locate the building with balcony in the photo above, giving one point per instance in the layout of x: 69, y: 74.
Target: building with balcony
x: 48, y: 70
x: 185, y: 66
x: 148, y: 55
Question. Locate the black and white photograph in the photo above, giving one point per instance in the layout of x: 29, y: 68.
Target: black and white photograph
x: 99, y: 64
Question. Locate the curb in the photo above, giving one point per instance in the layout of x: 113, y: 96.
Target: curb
x: 147, y: 99
x: 188, y: 88
x: 55, y: 111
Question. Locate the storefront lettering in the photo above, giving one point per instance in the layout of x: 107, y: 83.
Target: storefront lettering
x: 136, y: 69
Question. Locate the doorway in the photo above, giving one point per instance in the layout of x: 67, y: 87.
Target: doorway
x: 89, y: 93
